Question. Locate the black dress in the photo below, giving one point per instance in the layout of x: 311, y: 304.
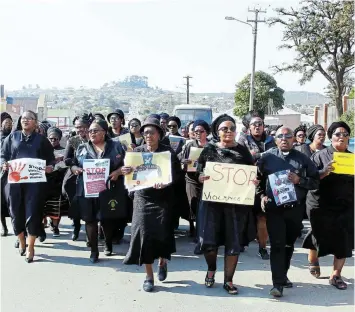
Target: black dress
x: 152, y: 233
x: 4, y: 204
x: 221, y: 223
x: 331, y: 211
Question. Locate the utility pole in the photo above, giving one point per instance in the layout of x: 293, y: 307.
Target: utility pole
x: 187, y: 89
x: 255, y: 33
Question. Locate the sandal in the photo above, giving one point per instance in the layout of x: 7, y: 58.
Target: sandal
x: 232, y: 290
x: 338, y: 283
x: 314, y: 269
x: 209, y: 281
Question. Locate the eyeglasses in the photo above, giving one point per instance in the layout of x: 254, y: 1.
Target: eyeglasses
x: 226, y: 129
x: 27, y: 118
x: 284, y: 136
x: 341, y: 134
x: 134, y: 126
x: 300, y: 135
x: 257, y: 124
x: 151, y: 133
x: 53, y: 139
x: 94, y: 131
x: 200, y: 131
x: 172, y: 126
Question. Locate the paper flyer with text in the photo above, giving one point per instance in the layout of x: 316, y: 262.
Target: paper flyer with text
x: 95, y: 174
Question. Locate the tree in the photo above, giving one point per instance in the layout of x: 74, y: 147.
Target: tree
x: 265, y: 89
x: 348, y: 117
x: 351, y: 93
x: 321, y: 32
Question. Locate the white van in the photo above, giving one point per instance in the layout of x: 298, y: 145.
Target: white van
x: 191, y: 112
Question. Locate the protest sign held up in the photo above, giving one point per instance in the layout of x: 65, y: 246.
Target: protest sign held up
x: 344, y: 163
x: 229, y: 183
x: 27, y: 170
x: 95, y: 174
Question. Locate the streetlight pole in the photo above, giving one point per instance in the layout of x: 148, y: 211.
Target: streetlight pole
x: 255, y: 34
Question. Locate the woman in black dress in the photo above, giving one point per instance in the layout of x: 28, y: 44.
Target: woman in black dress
x: 152, y: 234
x: 201, y: 130
x: 220, y: 223
x: 100, y: 146
x: 315, y: 134
x: 26, y: 200
x: 331, y: 208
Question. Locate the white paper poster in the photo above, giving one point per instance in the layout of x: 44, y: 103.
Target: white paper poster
x: 27, y: 170
x: 95, y: 174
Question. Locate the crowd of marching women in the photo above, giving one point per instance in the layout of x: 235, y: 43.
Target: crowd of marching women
x: 320, y: 194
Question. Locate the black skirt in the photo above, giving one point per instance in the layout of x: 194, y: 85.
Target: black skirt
x: 152, y: 234
x: 220, y: 224
x: 193, y: 192
x: 4, y: 200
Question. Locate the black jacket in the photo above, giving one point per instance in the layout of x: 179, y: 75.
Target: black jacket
x: 273, y: 161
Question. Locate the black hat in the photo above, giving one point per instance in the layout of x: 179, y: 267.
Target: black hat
x: 4, y: 116
x: 176, y: 119
x: 335, y: 125
x: 118, y: 112
x: 99, y: 115
x: 155, y: 123
x: 164, y: 116
x: 156, y: 116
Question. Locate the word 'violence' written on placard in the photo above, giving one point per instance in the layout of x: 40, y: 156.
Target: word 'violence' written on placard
x: 229, y: 183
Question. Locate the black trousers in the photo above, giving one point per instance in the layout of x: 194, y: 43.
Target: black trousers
x: 284, y: 227
x: 26, y: 203
x: 108, y: 227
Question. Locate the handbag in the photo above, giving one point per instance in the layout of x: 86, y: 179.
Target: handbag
x: 113, y: 201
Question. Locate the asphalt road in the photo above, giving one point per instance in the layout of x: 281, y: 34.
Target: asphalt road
x: 62, y: 279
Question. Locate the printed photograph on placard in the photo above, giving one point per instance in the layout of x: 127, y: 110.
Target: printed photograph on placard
x: 176, y: 141
x: 282, y: 188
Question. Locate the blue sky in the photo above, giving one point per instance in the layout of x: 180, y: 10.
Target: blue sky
x: 78, y: 42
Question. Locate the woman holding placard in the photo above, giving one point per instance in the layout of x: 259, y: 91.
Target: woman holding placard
x: 189, y: 157
x: 152, y: 234
x: 220, y: 223
x: 100, y: 146
x: 331, y: 208
x: 26, y: 199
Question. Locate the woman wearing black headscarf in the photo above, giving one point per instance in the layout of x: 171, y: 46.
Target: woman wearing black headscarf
x: 56, y: 204
x: 315, y: 134
x: 331, y: 208
x: 6, y: 127
x: 201, y: 130
x: 221, y: 223
x: 99, y: 146
x: 300, y: 135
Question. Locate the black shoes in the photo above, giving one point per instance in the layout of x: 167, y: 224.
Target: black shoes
x: 263, y: 254
x: 148, y: 285
x: 4, y: 231
x: 288, y: 284
x: 108, y: 249
x: 276, y: 291
x: 162, y: 272
x: 56, y: 232
x: 75, y: 235
x: 94, y: 257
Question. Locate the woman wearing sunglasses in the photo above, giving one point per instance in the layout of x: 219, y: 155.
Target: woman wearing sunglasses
x: 220, y: 223
x: 257, y: 142
x: 100, y: 146
x: 201, y: 130
x: 300, y: 135
x: 134, y: 126
x: 331, y: 208
x: 316, y: 135
x: 56, y: 206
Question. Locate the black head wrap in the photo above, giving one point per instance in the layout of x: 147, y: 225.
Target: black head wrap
x: 4, y: 116
x: 300, y: 128
x: 250, y: 115
x: 136, y: 120
x: 335, y: 125
x: 56, y: 131
x: 155, y: 116
x: 203, y: 124
x: 217, y: 122
x: 164, y: 116
x: 44, y: 125
x: 176, y: 119
x: 99, y: 115
x: 312, y: 130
